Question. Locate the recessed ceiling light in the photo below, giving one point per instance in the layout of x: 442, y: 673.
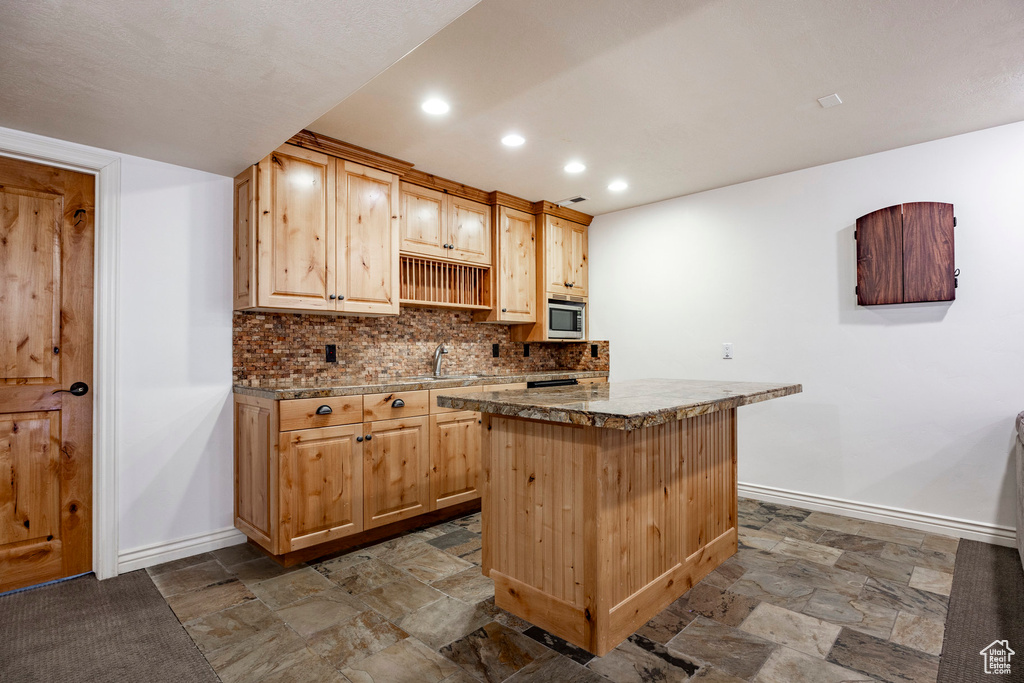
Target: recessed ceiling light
x: 435, y: 106
x: 832, y: 100
x: 513, y: 140
x: 618, y: 185
x: 575, y: 167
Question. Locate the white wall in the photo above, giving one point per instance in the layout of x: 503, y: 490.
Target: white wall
x: 907, y: 406
x: 174, y: 418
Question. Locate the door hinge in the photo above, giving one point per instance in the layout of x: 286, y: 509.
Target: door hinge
x: 856, y: 289
x: 854, y: 234
x: 954, y: 221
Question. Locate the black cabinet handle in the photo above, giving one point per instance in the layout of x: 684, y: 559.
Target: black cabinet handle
x: 369, y: 437
x: 324, y: 410
x: 359, y: 438
x: 77, y: 389
x: 398, y: 403
x: 340, y: 297
x: 333, y: 297
x: 504, y: 310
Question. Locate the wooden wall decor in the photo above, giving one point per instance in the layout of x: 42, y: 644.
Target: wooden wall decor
x: 905, y: 254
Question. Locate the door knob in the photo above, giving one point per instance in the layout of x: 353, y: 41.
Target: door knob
x: 324, y: 410
x: 398, y: 403
x: 77, y: 389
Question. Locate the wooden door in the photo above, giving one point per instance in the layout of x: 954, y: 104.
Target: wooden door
x: 424, y: 221
x: 321, y: 485
x: 367, y: 240
x: 557, y: 245
x: 295, y: 266
x: 46, y: 304
x: 928, y: 252
x: 517, y: 266
x: 576, y: 266
x: 396, y: 470
x: 454, y: 457
x: 880, y: 257
x: 469, y: 231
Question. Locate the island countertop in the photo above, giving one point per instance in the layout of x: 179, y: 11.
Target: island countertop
x: 620, y: 405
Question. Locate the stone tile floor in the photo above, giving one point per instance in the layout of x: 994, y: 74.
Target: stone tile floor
x: 808, y: 597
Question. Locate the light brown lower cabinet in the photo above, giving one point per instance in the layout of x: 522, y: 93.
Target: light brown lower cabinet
x: 454, y: 458
x: 322, y: 473
x: 315, y: 471
x: 396, y: 463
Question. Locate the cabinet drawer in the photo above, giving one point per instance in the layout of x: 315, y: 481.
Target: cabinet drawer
x: 395, y: 404
x: 301, y: 413
x: 434, y: 393
x: 593, y: 380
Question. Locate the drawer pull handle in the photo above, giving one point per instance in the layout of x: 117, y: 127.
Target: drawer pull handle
x: 324, y: 410
x: 369, y: 437
x: 398, y: 403
x: 359, y: 439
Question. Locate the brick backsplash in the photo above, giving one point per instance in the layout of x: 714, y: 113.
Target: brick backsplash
x: 288, y: 346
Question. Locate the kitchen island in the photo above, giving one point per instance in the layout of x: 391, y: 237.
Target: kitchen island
x: 604, y: 503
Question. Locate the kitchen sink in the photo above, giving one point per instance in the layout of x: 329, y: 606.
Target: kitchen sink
x: 431, y: 378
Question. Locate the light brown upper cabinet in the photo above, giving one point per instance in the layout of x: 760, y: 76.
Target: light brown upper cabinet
x: 565, y: 256
x: 316, y: 233
x: 442, y: 226
x: 513, y: 282
x: 367, y: 243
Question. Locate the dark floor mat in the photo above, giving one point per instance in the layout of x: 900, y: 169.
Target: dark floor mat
x: 986, y: 605
x: 88, y: 630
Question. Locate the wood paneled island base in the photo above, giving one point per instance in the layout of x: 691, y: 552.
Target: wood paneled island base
x: 590, y: 531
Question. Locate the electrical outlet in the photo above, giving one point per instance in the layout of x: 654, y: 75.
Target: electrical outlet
x: 593, y: 350
x: 526, y: 350
x: 332, y: 353
x: 727, y: 350
x: 495, y: 350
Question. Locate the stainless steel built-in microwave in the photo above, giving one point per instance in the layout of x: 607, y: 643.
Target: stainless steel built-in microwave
x: 566, y: 319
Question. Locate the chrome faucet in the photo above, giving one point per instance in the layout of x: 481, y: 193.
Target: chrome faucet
x: 439, y: 353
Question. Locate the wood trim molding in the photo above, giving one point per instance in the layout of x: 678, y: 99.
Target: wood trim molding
x: 158, y: 553
x: 552, y: 209
x: 321, y: 143
x: 307, y: 139
x: 106, y: 166
x: 923, y: 521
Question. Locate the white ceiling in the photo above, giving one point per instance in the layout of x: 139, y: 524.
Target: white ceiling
x: 682, y: 96
x: 210, y: 84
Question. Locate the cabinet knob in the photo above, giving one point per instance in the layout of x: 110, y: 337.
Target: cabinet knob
x: 359, y: 438
x: 398, y: 403
x: 504, y: 310
x: 333, y: 297
x: 340, y: 297
x: 324, y: 410
x: 369, y: 437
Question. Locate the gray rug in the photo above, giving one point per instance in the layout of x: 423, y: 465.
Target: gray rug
x: 985, y: 605
x: 97, y: 631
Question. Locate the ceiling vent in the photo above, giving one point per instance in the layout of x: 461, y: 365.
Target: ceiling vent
x: 573, y: 200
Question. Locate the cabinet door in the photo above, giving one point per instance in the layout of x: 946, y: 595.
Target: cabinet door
x: 296, y: 226
x: 577, y: 263
x: 517, y: 263
x: 469, y: 231
x: 367, y: 240
x: 454, y: 458
x: 321, y: 485
x: 396, y: 470
x: 424, y: 221
x: 245, y: 239
x: 928, y: 252
x: 557, y: 246
x: 880, y: 257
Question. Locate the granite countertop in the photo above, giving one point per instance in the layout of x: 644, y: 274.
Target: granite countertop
x: 289, y: 389
x: 620, y: 405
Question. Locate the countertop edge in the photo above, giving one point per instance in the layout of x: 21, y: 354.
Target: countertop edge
x: 590, y: 418
x: 411, y: 385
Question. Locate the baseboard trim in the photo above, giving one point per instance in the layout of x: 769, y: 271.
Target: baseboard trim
x: 158, y: 553
x: 923, y: 521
